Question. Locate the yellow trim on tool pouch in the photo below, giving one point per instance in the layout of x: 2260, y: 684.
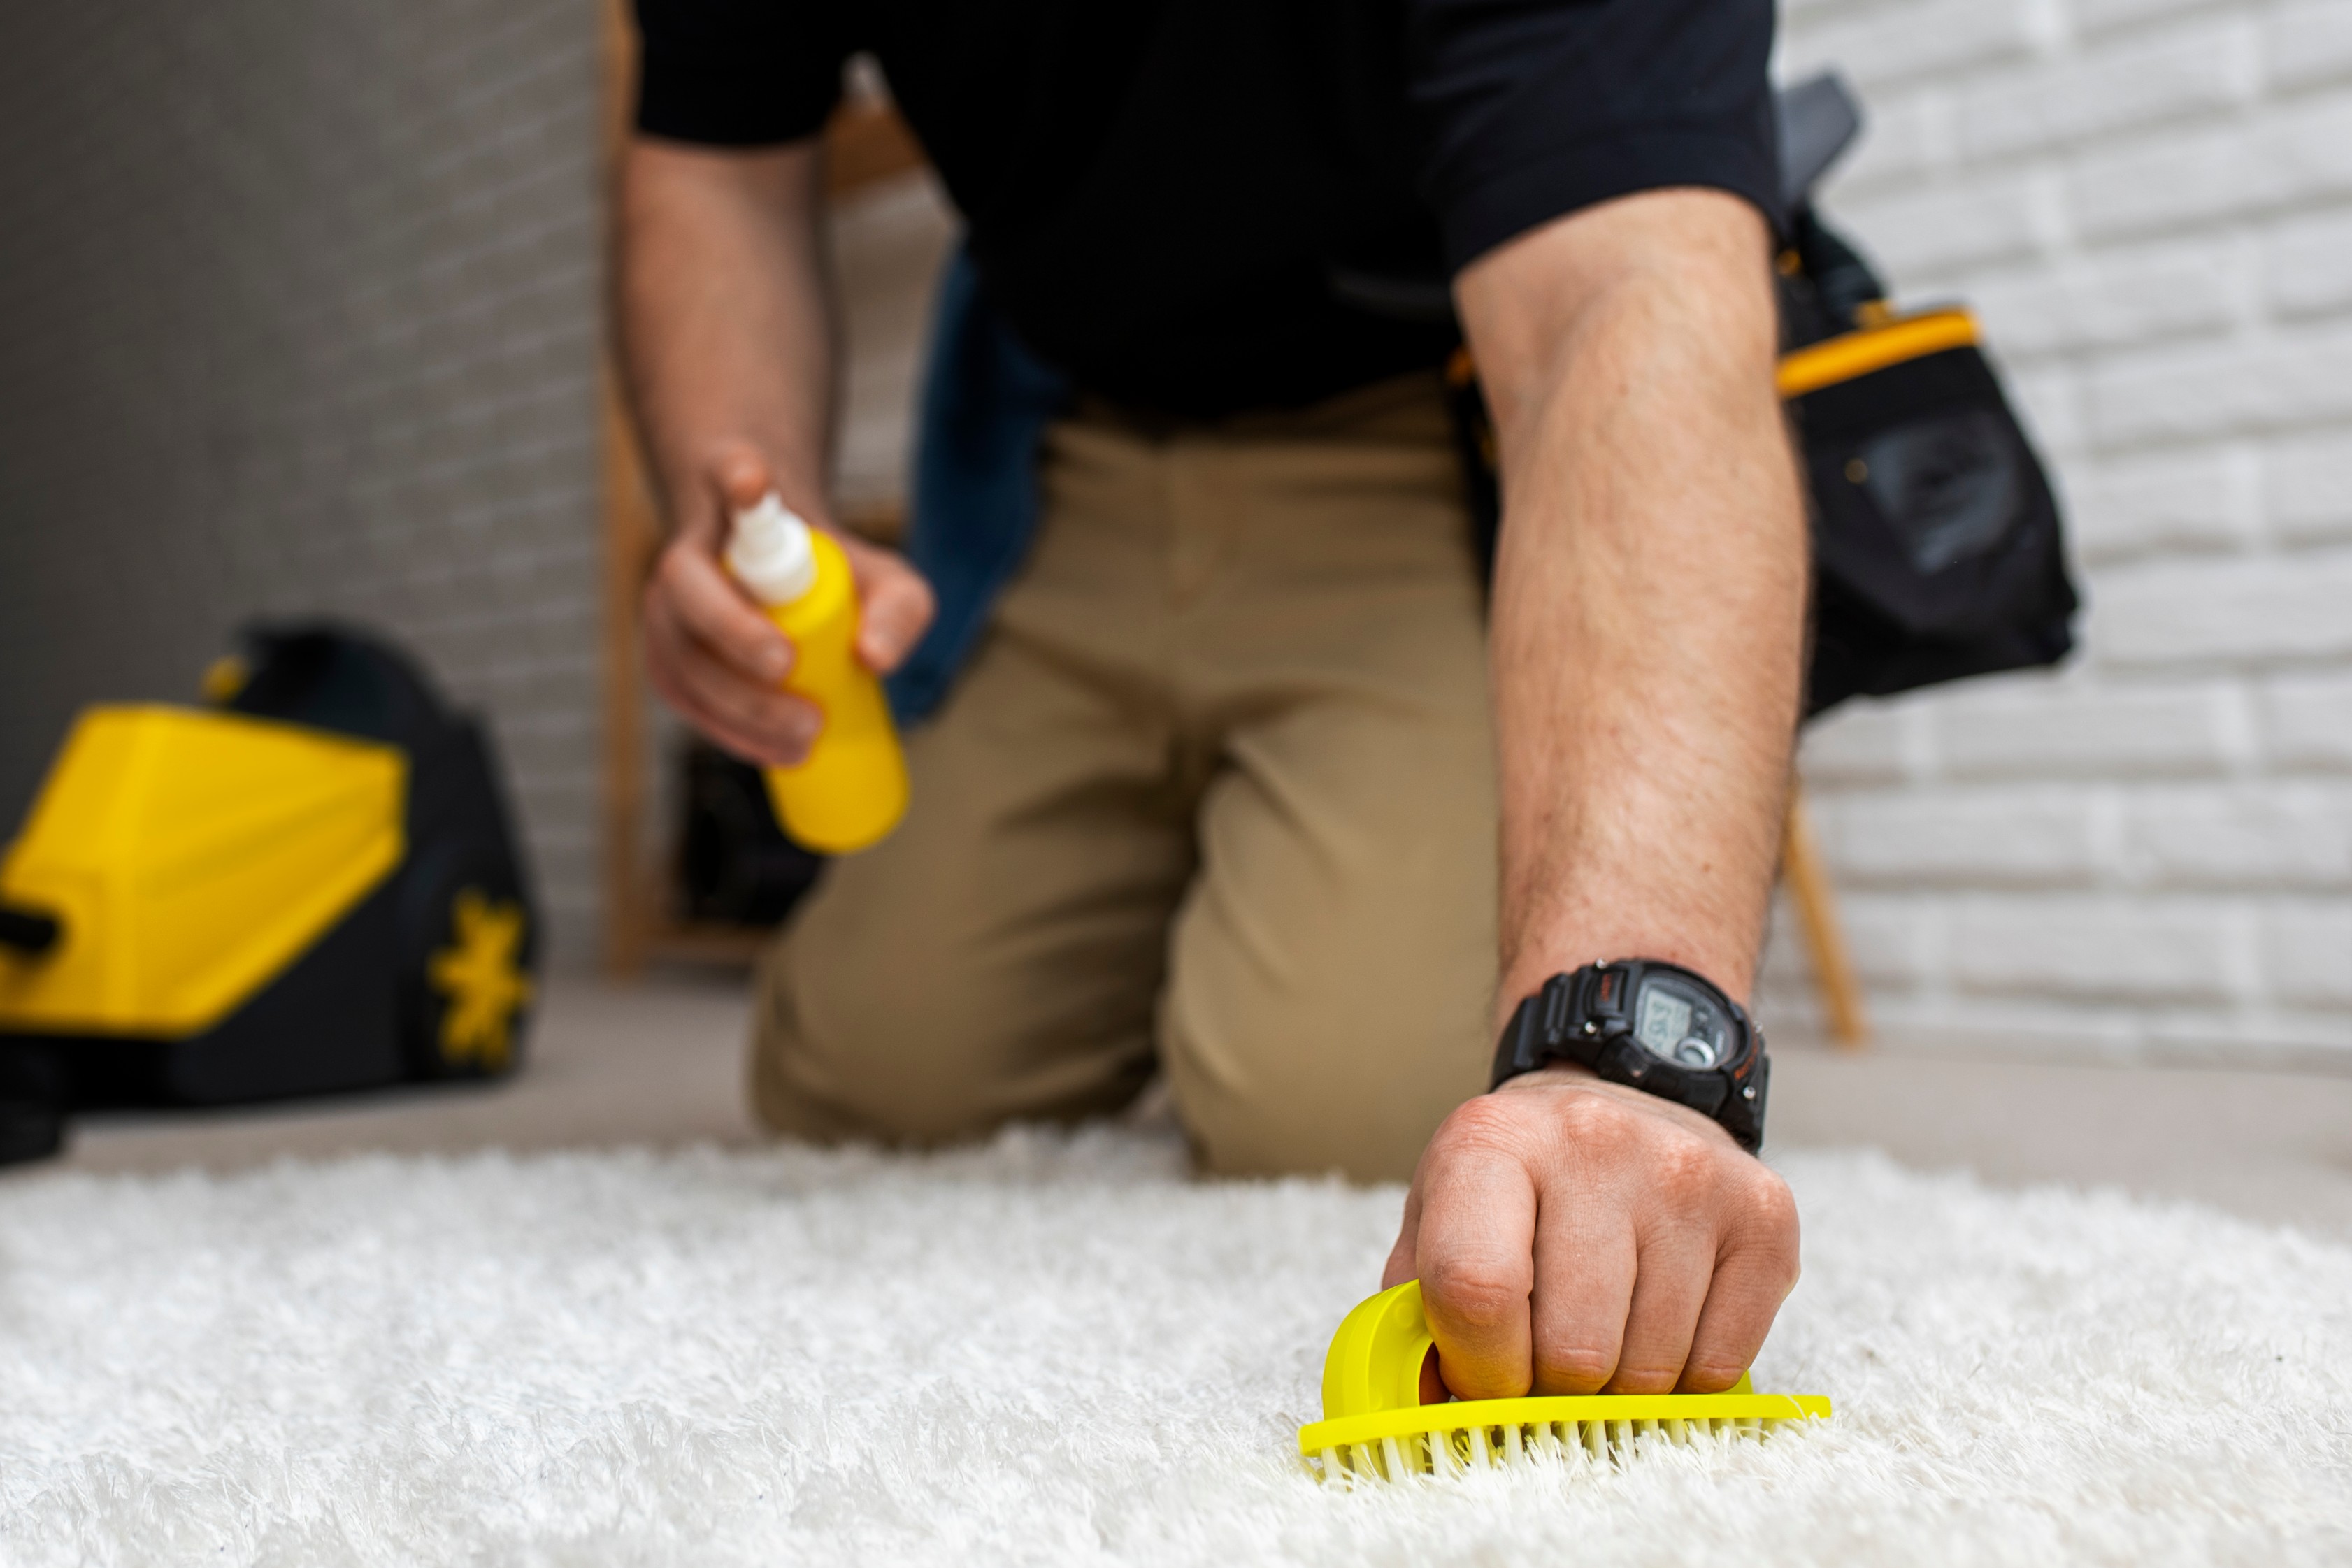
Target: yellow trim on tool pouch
x: 1841, y: 359
x: 189, y: 857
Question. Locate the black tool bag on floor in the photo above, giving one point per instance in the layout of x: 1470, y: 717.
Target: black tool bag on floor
x: 186, y: 850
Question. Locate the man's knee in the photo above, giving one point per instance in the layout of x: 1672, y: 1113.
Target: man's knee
x: 1375, y: 1139
x: 877, y: 1055
x: 1317, y: 1091
x: 840, y: 1057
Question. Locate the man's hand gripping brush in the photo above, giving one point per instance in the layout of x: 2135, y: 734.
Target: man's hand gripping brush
x: 1573, y: 1237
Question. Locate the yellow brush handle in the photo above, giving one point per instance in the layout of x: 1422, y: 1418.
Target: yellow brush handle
x: 1375, y: 1359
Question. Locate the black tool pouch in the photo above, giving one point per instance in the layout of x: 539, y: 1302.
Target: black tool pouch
x: 1936, y: 538
x: 1936, y: 550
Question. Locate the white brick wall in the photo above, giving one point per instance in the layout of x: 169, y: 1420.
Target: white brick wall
x: 2150, y: 854
x: 298, y: 313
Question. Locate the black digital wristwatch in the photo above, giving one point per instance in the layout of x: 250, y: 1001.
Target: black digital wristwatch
x: 1652, y: 1026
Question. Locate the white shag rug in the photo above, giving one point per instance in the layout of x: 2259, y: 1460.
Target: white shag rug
x: 1056, y: 1350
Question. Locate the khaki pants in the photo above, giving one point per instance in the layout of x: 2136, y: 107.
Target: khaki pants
x: 1215, y: 795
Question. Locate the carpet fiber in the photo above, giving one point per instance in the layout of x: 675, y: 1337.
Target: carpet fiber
x: 1056, y: 1350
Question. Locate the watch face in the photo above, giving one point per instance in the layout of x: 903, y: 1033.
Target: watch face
x: 1675, y: 1023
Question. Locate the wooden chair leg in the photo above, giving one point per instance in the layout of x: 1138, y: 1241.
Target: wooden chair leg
x: 1816, y: 901
x: 629, y: 534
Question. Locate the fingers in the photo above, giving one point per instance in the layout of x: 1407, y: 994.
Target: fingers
x: 1576, y: 1239
x: 1677, y: 1263
x: 1677, y: 1214
x: 1755, y: 1274
x: 739, y: 478
x: 1586, y: 1268
x: 717, y: 658
x: 749, y: 717
x: 713, y: 610
x: 1475, y: 1248
x: 895, y: 605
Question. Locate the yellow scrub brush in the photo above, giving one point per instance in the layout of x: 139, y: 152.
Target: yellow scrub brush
x: 1374, y: 1423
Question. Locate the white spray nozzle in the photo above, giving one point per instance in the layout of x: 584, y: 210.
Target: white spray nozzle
x: 770, y: 552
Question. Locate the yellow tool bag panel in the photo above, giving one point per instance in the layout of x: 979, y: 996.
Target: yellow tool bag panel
x: 311, y: 887
x: 188, y: 857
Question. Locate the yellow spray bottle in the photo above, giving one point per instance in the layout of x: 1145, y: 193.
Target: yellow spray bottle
x: 851, y: 788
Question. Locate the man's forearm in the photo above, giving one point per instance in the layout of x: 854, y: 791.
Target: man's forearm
x: 1649, y: 590
x: 726, y: 322
x: 724, y: 313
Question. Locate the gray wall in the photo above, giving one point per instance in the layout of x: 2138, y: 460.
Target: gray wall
x: 299, y: 311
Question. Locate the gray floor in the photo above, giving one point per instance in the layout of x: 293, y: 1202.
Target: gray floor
x: 660, y: 1063
x: 657, y: 1064
x: 2271, y: 1146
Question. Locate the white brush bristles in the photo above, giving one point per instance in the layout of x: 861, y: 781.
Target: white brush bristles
x: 1455, y: 1450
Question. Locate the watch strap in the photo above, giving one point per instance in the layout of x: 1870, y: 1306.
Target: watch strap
x: 1586, y: 1018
